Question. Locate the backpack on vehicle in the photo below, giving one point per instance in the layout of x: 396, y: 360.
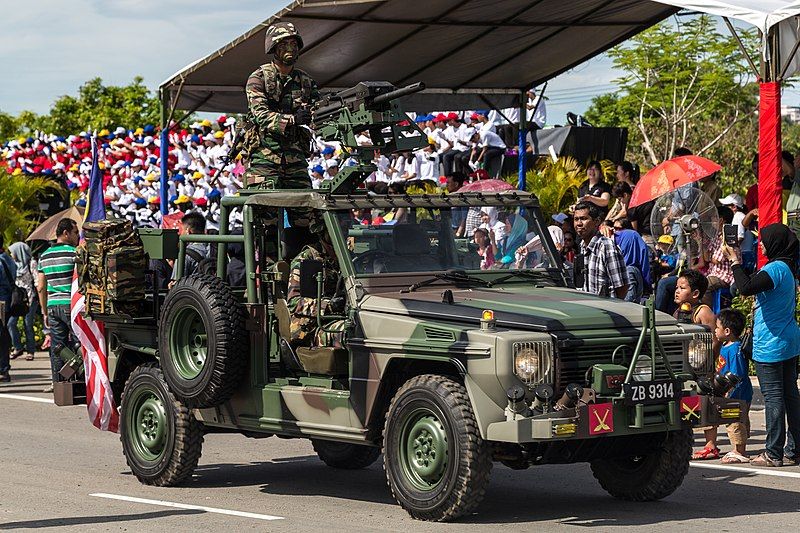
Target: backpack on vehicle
x: 111, y: 267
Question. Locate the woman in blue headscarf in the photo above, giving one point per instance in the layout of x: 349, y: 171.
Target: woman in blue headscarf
x: 637, y: 259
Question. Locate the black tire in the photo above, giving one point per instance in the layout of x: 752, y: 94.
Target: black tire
x: 649, y: 477
x: 345, y: 456
x: 432, y: 414
x: 203, y: 343
x: 170, y: 458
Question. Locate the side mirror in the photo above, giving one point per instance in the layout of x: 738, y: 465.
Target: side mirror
x: 309, y: 268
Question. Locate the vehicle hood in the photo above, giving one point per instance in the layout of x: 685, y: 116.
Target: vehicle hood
x: 523, y: 307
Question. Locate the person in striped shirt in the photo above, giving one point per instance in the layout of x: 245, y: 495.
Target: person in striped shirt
x: 56, y: 267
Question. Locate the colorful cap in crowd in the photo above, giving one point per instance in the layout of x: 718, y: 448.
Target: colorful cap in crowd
x: 666, y: 239
x: 200, y: 202
x: 155, y: 200
x: 140, y: 202
x: 560, y: 217
x: 206, y: 123
x: 452, y: 116
x: 318, y: 169
x: 197, y: 175
x: 213, y: 193
x: 219, y: 135
x: 179, y: 178
x: 183, y: 199
x: 441, y: 117
x: 327, y: 150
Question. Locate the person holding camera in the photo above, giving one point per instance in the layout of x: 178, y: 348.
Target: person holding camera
x: 776, y: 340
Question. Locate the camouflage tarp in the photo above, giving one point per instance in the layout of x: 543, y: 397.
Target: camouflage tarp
x: 111, y: 266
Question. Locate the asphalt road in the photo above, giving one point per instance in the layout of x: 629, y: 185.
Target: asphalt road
x: 57, y: 471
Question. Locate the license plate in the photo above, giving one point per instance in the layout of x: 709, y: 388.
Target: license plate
x: 651, y: 392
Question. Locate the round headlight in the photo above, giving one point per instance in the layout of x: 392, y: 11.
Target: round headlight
x: 531, y: 366
x: 643, y: 371
x: 698, y: 355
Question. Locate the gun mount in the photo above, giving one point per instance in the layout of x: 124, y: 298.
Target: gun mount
x: 369, y: 108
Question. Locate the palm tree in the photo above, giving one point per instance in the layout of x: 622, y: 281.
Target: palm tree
x: 556, y: 183
x: 19, y: 203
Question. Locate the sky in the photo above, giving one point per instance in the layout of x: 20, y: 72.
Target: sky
x: 51, y: 47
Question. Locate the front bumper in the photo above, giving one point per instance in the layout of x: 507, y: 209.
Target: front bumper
x: 613, y: 417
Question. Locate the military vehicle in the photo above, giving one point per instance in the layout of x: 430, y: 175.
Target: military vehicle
x: 442, y: 367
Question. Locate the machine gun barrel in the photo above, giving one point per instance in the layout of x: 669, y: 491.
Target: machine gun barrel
x: 331, y: 106
x: 397, y: 93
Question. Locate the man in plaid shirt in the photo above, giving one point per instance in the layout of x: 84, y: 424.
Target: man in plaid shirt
x: 600, y: 268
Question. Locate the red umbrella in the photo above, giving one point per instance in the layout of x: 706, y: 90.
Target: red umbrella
x: 487, y: 186
x: 670, y: 175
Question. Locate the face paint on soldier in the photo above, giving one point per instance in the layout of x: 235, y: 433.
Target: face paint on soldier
x: 287, y: 51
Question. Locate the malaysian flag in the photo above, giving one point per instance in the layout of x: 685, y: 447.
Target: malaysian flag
x: 99, y: 398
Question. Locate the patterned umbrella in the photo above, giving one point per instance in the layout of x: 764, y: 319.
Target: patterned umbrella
x: 670, y: 175
x: 487, y: 186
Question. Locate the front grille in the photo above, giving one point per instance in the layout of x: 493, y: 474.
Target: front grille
x: 574, y: 362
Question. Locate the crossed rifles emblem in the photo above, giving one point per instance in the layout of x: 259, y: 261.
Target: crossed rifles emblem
x: 691, y: 411
x: 601, y: 421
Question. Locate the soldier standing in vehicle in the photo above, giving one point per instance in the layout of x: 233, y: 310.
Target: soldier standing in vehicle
x: 279, y: 98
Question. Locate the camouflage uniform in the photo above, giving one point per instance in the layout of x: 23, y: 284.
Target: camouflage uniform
x: 303, y: 326
x: 281, y: 159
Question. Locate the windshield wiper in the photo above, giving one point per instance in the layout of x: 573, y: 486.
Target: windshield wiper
x: 524, y: 274
x: 457, y: 276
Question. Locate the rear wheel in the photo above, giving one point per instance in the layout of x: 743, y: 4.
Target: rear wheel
x: 647, y: 477
x: 345, y: 456
x: 437, y: 465
x: 161, y: 440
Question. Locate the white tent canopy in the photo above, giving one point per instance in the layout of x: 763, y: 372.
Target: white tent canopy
x: 467, y: 52
x: 762, y: 14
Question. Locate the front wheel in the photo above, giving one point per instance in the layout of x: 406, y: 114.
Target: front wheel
x: 648, y: 477
x: 437, y: 465
x: 161, y: 439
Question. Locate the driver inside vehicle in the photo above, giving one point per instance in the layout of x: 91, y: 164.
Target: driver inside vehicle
x: 303, y: 327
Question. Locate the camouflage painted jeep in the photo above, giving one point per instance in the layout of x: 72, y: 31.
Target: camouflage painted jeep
x: 445, y: 368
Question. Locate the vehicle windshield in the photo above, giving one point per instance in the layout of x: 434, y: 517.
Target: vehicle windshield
x: 422, y: 240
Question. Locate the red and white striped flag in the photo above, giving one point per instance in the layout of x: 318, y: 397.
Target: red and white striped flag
x: 99, y: 397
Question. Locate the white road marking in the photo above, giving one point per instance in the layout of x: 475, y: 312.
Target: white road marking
x: 187, y: 506
x: 751, y: 470
x: 26, y: 398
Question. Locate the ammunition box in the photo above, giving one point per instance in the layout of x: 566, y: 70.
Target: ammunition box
x: 160, y: 243
x: 69, y: 393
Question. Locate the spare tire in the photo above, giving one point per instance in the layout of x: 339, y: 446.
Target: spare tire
x: 202, y: 342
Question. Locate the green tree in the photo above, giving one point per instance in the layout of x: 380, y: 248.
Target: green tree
x: 96, y: 106
x: 19, y: 203
x: 99, y: 106
x: 684, y: 84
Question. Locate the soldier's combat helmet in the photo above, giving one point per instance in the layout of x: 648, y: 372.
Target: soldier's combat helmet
x: 277, y: 33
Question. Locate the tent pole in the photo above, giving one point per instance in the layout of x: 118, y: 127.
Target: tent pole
x: 741, y: 46
x: 523, y: 111
x: 164, y: 151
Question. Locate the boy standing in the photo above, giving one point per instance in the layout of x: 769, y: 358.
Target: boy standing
x: 729, y: 326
